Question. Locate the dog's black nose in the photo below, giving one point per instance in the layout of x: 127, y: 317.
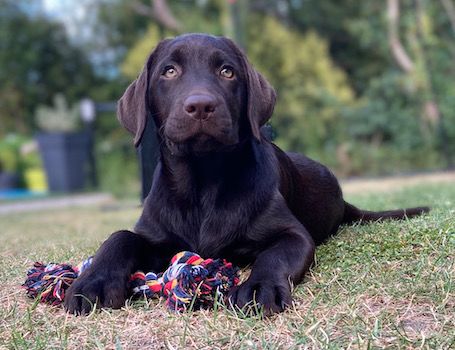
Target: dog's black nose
x: 200, y: 106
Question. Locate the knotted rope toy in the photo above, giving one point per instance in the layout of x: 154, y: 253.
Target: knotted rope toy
x: 189, y: 282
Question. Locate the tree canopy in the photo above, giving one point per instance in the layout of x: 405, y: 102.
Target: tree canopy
x: 37, y: 61
x: 365, y: 86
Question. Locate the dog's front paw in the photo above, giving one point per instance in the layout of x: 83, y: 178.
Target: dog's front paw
x: 96, y: 289
x: 269, y: 295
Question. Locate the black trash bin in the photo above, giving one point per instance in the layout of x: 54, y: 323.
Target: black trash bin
x: 65, y: 157
x: 8, y: 180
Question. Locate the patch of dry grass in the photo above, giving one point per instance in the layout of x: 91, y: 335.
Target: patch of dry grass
x: 384, y: 285
x: 393, y: 182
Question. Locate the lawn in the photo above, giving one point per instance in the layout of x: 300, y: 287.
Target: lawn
x: 383, y: 285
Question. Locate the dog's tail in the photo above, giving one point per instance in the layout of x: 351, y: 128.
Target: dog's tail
x: 353, y: 214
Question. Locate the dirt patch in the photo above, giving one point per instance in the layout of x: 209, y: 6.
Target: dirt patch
x: 414, y: 319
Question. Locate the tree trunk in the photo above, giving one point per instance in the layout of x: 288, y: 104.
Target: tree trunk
x: 398, y: 51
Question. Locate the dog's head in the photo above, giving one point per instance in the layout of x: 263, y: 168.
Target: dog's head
x: 202, y: 93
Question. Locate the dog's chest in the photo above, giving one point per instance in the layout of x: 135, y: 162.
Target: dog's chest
x: 206, y: 226
x: 206, y: 211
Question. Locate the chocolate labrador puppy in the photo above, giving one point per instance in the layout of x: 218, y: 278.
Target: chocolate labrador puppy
x: 221, y: 189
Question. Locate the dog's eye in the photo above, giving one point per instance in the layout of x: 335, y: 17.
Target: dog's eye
x: 170, y: 72
x: 227, y: 72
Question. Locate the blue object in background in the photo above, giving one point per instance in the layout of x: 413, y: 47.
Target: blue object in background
x: 15, y: 194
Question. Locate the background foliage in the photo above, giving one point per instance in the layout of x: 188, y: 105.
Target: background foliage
x: 362, y: 87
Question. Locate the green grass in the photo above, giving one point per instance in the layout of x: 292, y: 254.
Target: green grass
x: 383, y: 285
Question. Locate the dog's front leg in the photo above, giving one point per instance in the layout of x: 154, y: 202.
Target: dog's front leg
x: 104, y: 283
x: 284, y: 262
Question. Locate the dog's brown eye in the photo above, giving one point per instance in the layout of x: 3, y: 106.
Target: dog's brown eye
x: 227, y: 72
x: 170, y: 72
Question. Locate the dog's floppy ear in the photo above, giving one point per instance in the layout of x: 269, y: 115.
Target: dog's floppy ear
x: 132, y: 108
x: 261, y: 95
x: 261, y: 101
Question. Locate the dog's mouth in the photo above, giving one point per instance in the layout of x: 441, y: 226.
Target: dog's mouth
x: 182, y: 136
x: 198, y: 144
